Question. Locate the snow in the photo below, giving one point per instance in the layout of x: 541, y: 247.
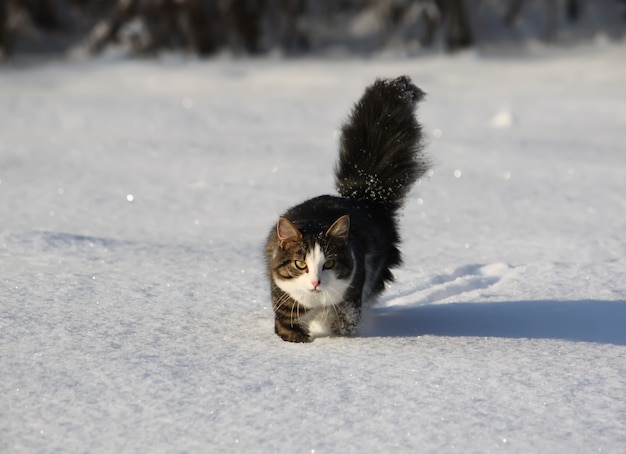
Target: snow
x: 135, y: 197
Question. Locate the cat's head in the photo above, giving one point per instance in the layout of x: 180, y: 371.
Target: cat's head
x: 315, y: 269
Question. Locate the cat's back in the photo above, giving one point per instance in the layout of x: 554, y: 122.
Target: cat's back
x: 318, y: 214
x: 368, y: 226
x: 314, y: 216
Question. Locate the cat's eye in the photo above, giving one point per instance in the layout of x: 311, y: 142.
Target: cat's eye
x: 301, y: 265
x: 329, y: 264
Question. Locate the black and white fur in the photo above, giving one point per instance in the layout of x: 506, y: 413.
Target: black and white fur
x: 329, y: 255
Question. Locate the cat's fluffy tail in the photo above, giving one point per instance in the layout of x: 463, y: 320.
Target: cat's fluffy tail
x: 380, y: 154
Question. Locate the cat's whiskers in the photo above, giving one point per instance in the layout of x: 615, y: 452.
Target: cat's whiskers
x: 282, y: 300
x: 293, y: 306
x: 334, y: 307
x: 335, y: 291
x: 327, y: 307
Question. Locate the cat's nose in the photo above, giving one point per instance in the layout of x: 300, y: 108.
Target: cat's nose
x: 315, y: 283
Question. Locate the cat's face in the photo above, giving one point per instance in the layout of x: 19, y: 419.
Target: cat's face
x: 315, y: 270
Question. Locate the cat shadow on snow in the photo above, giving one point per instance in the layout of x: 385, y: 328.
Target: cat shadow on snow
x: 584, y: 320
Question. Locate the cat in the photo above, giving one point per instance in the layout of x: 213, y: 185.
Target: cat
x: 329, y: 256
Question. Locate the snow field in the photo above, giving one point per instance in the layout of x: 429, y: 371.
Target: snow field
x: 135, y: 198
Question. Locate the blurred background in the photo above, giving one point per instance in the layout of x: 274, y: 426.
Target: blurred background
x: 205, y: 28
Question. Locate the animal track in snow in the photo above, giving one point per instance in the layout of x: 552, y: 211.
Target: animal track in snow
x: 463, y: 280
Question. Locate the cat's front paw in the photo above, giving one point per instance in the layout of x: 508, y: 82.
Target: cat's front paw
x: 346, y: 321
x: 295, y: 336
x: 292, y: 333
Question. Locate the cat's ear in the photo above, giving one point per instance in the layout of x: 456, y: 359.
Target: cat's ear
x: 340, y: 228
x: 287, y: 231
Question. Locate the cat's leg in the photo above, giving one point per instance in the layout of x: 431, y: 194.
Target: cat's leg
x: 287, y: 313
x: 347, y: 318
x: 348, y: 312
x: 289, y: 332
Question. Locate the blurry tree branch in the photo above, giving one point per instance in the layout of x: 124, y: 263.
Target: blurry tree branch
x: 204, y: 27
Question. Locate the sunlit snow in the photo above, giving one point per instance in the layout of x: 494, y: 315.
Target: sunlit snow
x: 135, y: 199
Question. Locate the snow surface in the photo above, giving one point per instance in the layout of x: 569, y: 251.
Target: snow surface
x: 135, y: 197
